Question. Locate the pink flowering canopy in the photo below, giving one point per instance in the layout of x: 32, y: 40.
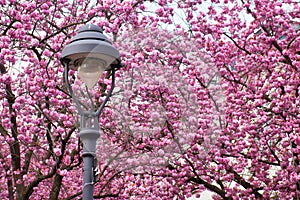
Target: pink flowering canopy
x: 208, y: 99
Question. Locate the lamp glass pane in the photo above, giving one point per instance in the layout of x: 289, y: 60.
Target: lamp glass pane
x: 90, y: 71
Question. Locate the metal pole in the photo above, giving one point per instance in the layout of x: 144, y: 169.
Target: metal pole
x: 88, y: 177
x: 89, y: 137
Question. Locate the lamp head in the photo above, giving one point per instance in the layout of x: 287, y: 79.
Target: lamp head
x: 90, y: 52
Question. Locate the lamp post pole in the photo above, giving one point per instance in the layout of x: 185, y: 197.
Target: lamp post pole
x: 89, y: 136
x: 90, y: 53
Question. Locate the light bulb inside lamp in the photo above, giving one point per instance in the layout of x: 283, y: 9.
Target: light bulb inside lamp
x: 90, y: 70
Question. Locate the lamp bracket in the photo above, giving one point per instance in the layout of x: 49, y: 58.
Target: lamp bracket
x: 88, y: 118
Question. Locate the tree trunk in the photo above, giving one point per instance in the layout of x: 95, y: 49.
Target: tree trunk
x: 56, y: 187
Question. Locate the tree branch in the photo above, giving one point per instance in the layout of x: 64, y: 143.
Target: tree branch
x: 236, y: 44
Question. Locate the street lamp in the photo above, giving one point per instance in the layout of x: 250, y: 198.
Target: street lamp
x: 90, y: 53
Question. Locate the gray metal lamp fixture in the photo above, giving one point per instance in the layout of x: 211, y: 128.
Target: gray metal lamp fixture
x: 90, y: 53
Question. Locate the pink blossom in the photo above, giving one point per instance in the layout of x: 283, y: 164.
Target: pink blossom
x: 206, y: 98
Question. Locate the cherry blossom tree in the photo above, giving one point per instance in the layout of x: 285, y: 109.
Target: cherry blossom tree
x: 208, y: 99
